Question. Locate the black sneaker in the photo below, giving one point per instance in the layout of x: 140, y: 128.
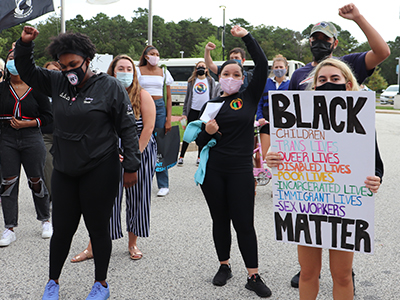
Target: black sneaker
x: 295, y: 281
x: 224, y: 273
x: 257, y: 285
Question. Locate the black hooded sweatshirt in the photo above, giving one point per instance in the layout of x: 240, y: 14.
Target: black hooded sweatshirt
x: 87, y: 122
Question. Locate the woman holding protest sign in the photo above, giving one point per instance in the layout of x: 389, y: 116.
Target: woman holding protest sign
x: 330, y: 75
x: 230, y: 162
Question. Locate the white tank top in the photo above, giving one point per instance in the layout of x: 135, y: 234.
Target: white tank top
x: 154, y: 84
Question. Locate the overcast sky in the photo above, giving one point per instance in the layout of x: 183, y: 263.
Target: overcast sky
x: 292, y: 14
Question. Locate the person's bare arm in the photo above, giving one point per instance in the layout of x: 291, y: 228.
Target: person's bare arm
x: 168, y: 108
x: 207, y: 58
x: 379, y: 48
x: 148, y: 112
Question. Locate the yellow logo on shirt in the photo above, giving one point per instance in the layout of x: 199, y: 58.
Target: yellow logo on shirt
x: 236, y: 104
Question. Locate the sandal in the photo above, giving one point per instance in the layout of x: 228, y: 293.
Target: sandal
x: 84, y: 255
x: 135, y: 253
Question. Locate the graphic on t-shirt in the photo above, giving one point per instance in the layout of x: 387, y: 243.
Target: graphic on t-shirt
x: 236, y: 104
x: 200, y: 88
x: 307, y: 80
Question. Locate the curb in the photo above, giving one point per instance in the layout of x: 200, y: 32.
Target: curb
x: 387, y: 111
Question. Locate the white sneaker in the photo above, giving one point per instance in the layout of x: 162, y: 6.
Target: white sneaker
x: 47, y: 230
x: 7, y: 238
x: 180, y: 162
x: 163, y: 192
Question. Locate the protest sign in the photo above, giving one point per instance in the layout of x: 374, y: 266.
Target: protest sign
x: 327, y: 141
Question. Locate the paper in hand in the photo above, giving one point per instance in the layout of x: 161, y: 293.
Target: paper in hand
x: 211, y: 111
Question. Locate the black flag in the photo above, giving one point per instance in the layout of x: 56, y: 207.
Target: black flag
x: 14, y: 12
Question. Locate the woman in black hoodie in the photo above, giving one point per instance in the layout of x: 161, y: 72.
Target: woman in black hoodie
x: 90, y: 112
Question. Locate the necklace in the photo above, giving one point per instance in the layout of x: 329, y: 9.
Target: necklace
x: 17, y: 86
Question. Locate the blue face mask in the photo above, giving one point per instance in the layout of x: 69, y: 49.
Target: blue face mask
x: 238, y: 61
x: 125, y: 78
x: 10, y: 65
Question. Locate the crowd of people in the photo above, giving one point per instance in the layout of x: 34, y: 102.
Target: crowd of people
x: 84, y: 138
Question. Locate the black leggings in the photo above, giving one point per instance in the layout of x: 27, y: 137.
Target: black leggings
x: 193, y: 115
x: 91, y: 195
x: 230, y: 196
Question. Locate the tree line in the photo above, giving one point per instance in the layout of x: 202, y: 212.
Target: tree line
x: 117, y: 35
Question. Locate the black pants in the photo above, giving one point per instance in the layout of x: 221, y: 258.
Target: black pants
x: 91, y: 195
x: 193, y: 115
x: 230, y: 196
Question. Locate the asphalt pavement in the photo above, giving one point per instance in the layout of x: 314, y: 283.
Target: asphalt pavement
x: 179, y: 259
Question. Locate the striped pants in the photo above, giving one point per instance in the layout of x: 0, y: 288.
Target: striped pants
x: 138, y: 198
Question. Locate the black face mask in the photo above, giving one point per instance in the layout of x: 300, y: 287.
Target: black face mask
x: 76, y: 76
x: 329, y: 86
x: 321, y: 49
x: 200, y: 71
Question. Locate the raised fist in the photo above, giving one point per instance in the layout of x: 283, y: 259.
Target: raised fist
x: 210, y: 46
x: 29, y: 34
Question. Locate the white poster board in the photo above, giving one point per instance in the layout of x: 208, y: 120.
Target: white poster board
x: 101, y: 62
x: 327, y: 140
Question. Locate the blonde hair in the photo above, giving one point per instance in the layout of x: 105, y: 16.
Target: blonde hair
x: 134, y: 89
x: 278, y: 57
x: 338, y: 64
x: 53, y: 63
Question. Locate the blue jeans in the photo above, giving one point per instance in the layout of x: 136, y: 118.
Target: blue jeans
x: 161, y: 115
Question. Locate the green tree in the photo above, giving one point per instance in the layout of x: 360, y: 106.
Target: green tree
x: 164, y: 38
x: 3, y: 44
x: 376, y: 82
x: 135, y: 55
x: 117, y: 35
x: 78, y: 24
x: 190, y: 33
x: 216, y: 54
x: 264, y: 35
x: 288, y: 43
x: 234, y: 42
x: 47, y: 30
x: 10, y: 36
x: 389, y: 65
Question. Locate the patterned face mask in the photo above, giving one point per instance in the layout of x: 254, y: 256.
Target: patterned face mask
x: 279, y: 72
x: 76, y: 76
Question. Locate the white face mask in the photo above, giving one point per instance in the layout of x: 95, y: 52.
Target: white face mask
x: 230, y: 85
x: 153, y: 60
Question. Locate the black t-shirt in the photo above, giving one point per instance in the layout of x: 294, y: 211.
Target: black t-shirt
x: 234, y: 149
